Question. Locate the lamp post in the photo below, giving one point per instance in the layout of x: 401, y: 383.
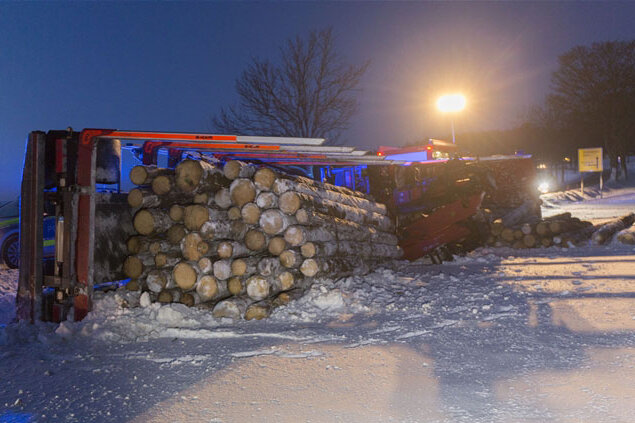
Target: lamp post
x: 451, y: 103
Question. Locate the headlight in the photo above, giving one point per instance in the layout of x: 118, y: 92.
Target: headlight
x: 543, y: 187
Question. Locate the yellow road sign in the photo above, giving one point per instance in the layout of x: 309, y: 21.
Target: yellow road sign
x: 590, y: 159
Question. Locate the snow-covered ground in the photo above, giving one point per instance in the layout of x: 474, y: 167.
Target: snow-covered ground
x: 498, y: 336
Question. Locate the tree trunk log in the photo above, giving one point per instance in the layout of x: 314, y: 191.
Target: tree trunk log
x: 250, y: 213
x: 276, y: 245
x: 234, y: 169
x: 301, y: 205
x: 143, y: 175
x: 264, y: 179
x: 605, y: 233
x: 185, y: 275
x: 162, y: 185
x: 242, y: 191
x: 267, y: 200
x: 223, y: 269
x: 159, y: 280
x: 196, y: 215
x: 222, y: 199
x: 255, y: 240
x: 151, y: 221
x: 245, y: 267
x: 232, y: 249
x: 176, y: 233
x: 195, y: 176
x: 283, y: 185
x: 135, y: 267
x: 274, y: 222
x: 627, y: 236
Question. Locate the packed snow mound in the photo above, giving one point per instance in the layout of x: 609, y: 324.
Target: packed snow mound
x: 8, y: 288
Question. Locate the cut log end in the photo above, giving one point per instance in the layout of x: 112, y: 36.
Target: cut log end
x: 258, y: 288
x: 264, y: 179
x: 176, y: 233
x: 135, y: 198
x: 235, y: 286
x: 184, y: 275
x: 250, y: 213
x: 238, y: 267
x: 242, y: 191
x: 287, y: 280
x: 139, y: 175
x: 176, y: 213
x: 225, y: 249
x: 290, y: 259
x: 308, y: 250
x: 276, y: 245
x: 207, y: 287
x: 133, y: 267
x: 234, y: 213
x: 188, y: 175
x: 161, y: 185
x: 309, y: 267
x: 255, y: 240
x: 194, y: 216
x: 289, y: 202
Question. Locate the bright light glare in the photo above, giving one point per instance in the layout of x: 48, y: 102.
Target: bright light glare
x: 543, y: 187
x: 451, y: 103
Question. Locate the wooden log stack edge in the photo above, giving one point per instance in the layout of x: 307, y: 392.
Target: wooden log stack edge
x: 241, y: 239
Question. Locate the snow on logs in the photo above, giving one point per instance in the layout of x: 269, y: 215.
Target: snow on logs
x: 241, y: 239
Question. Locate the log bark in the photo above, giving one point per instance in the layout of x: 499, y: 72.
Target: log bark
x: 143, y: 175
x: 331, y: 267
x: 605, y: 233
x: 242, y: 191
x: 283, y: 185
x: 301, y: 205
x: 315, y: 185
x: 338, y: 230
x: 151, y: 221
x: 223, y: 229
x: 195, y: 176
x: 269, y: 266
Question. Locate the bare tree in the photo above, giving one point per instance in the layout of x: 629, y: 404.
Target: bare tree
x: 593, y: 93
x: 310, y: 93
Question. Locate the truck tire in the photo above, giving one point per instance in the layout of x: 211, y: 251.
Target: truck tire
x: 11, y: 251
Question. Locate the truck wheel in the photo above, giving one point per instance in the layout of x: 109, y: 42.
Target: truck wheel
x: 11, y: 251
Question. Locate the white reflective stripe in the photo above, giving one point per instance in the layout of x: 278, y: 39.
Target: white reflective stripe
x: 280, y: 140
x: 316, y: 149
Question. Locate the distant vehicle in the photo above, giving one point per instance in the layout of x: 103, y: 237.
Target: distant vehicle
x: 10, y: 234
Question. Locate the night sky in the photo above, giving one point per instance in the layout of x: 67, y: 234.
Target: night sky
x: 170, y: 66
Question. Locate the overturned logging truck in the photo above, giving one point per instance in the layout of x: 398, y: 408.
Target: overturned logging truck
x: 242, y: 224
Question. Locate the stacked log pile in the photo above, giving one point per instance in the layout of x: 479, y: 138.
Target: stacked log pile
x: 517, y: 231
x: 241, y: 239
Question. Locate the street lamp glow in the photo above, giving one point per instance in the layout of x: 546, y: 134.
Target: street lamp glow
x: 451, y: 103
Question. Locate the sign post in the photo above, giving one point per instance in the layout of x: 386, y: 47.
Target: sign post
x: 590, y: 160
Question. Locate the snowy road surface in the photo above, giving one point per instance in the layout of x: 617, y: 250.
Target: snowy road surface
x: 544, y: 335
